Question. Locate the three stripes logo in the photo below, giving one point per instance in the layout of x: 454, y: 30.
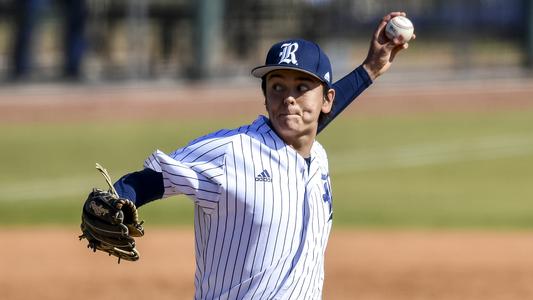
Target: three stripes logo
x: 263, y: 176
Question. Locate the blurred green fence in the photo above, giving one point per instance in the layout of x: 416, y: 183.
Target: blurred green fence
x: 184, y: 39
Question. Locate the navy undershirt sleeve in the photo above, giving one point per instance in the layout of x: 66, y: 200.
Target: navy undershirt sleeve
x: 141, y: 187
x: 346, y: 91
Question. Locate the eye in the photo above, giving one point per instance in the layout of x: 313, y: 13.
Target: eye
x: 303, y: 88
x: 277, y: 87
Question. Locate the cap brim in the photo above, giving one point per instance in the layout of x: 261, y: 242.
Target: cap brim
x: 261, y: 71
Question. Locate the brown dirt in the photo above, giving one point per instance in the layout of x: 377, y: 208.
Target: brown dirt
x: 166, y: 102
x: 52, y: 264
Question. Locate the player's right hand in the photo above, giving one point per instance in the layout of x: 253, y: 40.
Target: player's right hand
x: 383, y: 50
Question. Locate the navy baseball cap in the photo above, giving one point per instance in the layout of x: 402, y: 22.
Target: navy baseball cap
x: 300, y: 55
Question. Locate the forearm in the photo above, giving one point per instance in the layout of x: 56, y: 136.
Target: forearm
x: 141, y: 187
x: 346, y: 90
x: 349, y: 87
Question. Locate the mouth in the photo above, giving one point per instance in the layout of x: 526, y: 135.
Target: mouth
x: 288, y: 114
x: 288, y: 117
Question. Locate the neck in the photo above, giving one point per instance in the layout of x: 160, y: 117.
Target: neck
x: 301, y: 143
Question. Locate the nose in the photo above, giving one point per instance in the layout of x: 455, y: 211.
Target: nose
x: 289, y: 100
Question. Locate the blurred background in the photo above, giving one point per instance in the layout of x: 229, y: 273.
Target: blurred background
x: 102, y: 40
x: 432, y: 166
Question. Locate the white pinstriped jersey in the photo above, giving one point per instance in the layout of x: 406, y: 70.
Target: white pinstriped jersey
x: 262, y: 214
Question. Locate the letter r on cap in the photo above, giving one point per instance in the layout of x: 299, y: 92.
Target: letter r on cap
x: 288, y: 53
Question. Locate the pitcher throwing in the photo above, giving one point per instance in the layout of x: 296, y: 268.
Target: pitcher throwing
x: 262, y: 192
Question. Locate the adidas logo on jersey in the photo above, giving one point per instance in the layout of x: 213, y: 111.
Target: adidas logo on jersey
x: 264, y: 176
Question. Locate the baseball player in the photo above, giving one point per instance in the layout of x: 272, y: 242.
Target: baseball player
x: 262, y: 192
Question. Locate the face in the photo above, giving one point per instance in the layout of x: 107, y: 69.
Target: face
x: 294, y: 101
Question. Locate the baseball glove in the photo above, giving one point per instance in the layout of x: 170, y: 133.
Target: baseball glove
x: 110, y: 223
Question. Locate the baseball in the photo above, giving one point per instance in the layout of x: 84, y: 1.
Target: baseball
x: 399, y: 26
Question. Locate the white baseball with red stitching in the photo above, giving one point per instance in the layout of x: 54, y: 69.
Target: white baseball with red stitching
x: 399, y: 26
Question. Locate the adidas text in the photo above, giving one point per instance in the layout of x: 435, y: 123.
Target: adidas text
x: 265, y: 179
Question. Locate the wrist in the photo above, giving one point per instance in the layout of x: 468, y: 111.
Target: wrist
x: 373, y: 75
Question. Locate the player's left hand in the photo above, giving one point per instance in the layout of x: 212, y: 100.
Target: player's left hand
x: 110, y: 223
x: 383, y: 50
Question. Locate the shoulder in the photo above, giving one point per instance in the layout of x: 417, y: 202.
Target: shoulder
x: 217, y: 143
x: 206, y: 147
x: 319, y: 152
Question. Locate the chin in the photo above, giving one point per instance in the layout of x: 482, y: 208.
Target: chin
x: 288, y: 125
x: 288, y: 132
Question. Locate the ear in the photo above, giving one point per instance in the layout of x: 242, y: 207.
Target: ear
x: 328, y: 101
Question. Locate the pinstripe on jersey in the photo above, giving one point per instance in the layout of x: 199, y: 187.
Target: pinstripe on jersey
x: 262, y: 215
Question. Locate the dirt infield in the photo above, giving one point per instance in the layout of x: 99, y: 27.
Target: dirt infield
x: 52, y: 264
x: 171, y: 102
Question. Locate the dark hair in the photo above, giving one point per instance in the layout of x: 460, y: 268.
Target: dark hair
x: 325, y: 90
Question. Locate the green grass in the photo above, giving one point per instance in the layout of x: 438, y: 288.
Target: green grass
x: 463, y: 170
x: 48, y: 169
